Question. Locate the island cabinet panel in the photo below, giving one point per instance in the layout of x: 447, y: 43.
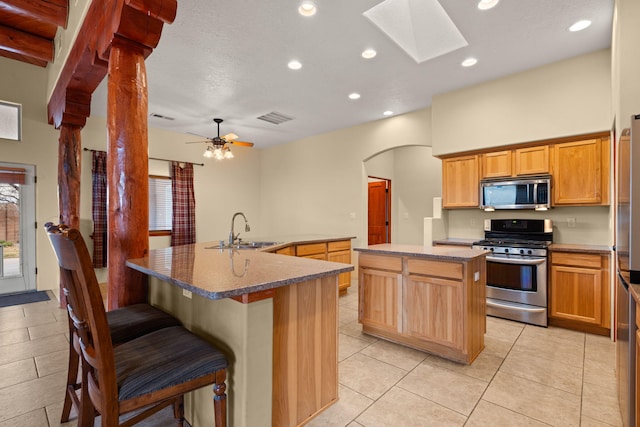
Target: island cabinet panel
x: 434, y: 310
x: 431, y: 304
x: 305, y: 350
x: 579, y: 291
x: 287, y: 250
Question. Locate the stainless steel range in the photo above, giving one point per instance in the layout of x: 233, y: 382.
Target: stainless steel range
x: 517, y: 268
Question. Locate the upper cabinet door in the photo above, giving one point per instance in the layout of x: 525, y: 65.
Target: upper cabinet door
x: 581, y: 172
x: 460, y: 182
x: 497, y: 164
x: 532, y: 160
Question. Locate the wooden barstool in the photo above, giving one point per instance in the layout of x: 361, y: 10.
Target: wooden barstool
x: 151, y: 371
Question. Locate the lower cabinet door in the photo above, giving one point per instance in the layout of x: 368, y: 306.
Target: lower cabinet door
x: 434, y: 310
x: 380, y: 299
x: 576, y: 294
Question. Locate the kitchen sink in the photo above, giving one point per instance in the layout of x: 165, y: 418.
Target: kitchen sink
x: 245, y: 245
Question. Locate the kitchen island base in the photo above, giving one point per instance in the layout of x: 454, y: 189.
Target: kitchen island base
x: 430, y: 299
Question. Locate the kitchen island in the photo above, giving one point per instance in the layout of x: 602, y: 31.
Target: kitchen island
x: 431, y: 298
x: 274, y: 317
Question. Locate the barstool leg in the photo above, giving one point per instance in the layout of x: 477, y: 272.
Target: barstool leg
x: 220, y: 398
x: 72, y: 380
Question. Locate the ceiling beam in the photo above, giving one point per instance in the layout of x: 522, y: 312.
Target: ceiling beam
x: 50, y: 11
x: 25, y: 44
x: 139, y: 21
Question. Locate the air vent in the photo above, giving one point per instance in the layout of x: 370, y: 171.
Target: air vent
x: 160, y: 116
x: 275, y: 118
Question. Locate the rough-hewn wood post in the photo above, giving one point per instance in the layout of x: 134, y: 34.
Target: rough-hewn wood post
x: 69, y: 168
x: 127, y: 172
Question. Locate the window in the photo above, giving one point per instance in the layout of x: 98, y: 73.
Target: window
x: 160, y: 205
x: 10, y: 121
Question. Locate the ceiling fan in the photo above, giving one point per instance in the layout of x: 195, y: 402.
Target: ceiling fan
x: 220, y: 145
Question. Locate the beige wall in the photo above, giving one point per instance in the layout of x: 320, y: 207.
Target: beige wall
x: 569, y: 97
x: 625, y: 62
x: 26, y: 84
x: 318, y: 184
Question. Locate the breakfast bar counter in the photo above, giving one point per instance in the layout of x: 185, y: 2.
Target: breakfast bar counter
x: 274, y: 316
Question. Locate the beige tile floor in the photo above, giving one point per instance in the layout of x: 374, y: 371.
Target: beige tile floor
x: 526, y: 376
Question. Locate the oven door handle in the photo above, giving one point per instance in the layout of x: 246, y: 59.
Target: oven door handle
x: 521, y: 261
x: 494, y: 304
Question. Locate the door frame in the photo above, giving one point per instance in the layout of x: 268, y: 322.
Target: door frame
x: 27, y: 280
x: 387, y: 203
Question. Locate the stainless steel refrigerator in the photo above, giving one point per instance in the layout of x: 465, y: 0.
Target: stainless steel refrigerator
x: 627, y: 264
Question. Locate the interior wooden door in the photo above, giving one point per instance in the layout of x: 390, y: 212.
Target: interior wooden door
x: 379, y: 212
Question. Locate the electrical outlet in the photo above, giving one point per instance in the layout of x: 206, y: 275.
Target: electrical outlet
x: 571, y: 222
x: 186, y: 293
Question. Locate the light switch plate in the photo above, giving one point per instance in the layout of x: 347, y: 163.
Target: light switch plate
x: 186, y: 293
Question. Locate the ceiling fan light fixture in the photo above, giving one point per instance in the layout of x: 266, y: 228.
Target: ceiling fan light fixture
x: 217, y: 154
x: 228, y: 154
x: 208, y: 153
x: 307, y: 8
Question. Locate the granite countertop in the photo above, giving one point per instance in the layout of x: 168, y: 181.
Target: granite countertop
x: 578, y: 248
x: 455, y: 241
x: 216, y: 273
x: 434, y: 252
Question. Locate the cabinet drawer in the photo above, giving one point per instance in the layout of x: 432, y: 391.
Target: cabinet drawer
x: 380, y: 262
x: 342, y: 245
x: 311, y: 249
x: 576, y: 259
x: 289, y: 250
x: 450, y: 270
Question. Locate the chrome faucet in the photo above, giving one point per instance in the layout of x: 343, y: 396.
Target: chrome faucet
x: 232, y: 235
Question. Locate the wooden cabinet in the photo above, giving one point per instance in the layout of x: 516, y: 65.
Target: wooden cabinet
x: 380, y: 292
x: 460, y: 182
x: 531, y: 160
x: 580, y: 172
x: 336, y: 251
x: 579, y: 291
x: 497, y: 164
x: 517, y: 162
x: 340, y: 251
x: 431, y: 305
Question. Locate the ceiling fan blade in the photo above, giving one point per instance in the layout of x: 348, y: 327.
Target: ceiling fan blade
x: 230, y: 136
x: 242, y: 143
x: 198, y: 142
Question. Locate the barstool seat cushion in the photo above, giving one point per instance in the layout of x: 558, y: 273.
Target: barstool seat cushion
x: 136, y: 320
x: 162, y: 359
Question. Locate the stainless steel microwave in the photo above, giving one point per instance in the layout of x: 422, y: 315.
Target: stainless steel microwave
x: 516, y: 193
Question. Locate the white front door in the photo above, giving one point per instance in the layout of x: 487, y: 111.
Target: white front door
x: 17, y: 229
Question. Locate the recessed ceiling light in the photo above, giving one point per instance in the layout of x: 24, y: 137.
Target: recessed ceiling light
x: 307, y: 9
x: 354, y: 95
x: 469, y: 62
x: 487, y: 4
x: 580, y: 25
x: 369, y: 53
x: 294, y: 65
x: 387, y: 113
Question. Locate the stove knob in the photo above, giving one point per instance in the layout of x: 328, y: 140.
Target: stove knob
x: 522, y: 251
x: 506, y: 250
x: 492, y: 249
x: 529, y: 252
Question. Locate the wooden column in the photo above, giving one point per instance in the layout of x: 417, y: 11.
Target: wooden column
x: 69, y: 167
x: 127, y: 172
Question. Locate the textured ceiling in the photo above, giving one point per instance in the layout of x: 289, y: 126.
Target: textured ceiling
x: 229, y: 59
